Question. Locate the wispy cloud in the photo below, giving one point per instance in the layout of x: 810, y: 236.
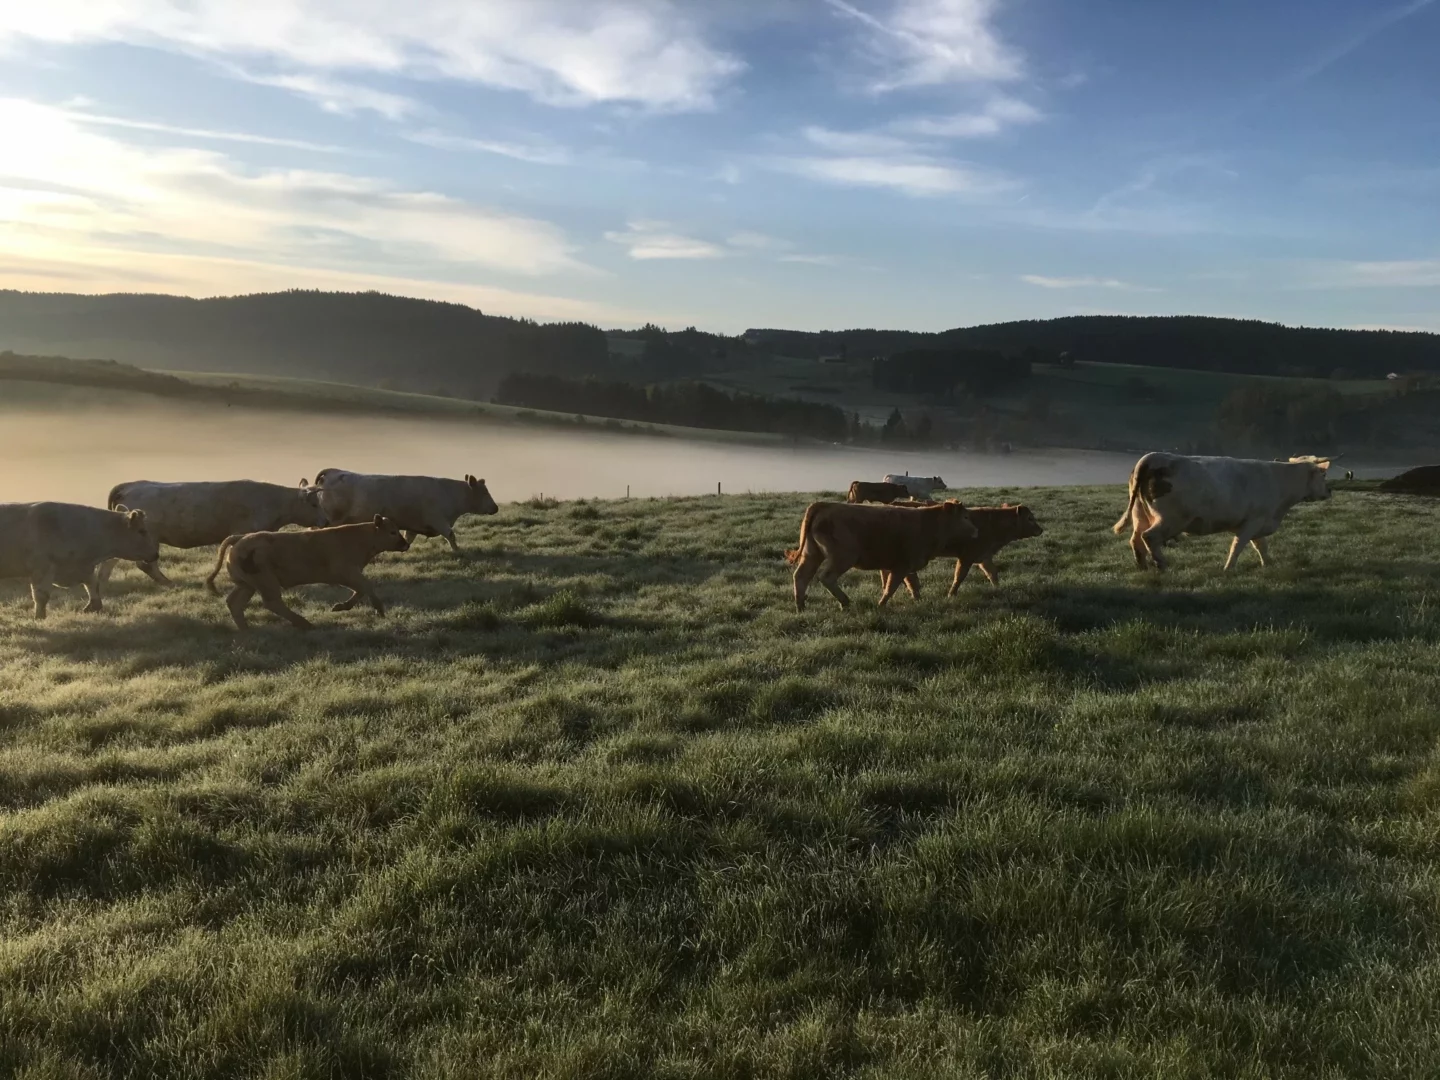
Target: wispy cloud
x: 908, y: 173
x: 854, y: 142
x: 912, y: 43
x: 640, y: 52
x: 67, y: 187
x: 1045, y: 282
x: 994, y: 117
x: 659, y: 240
x: 337, y: 95
x: 1342, y: 49
x: 1387, y: 274
x: 202, y: 133
x: 535, y: 153
x: 755, y: 241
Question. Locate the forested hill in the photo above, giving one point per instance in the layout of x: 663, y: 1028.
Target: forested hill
x: 368, y: 338
x: 1242, y: 346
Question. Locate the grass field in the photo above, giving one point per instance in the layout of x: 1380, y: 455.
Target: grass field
x: 593, y: 801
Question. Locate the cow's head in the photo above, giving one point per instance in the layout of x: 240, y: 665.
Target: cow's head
x: 390, y: 536
x: 480, y: 500
x: 1316, y: 489
x: 1023, y: 522
x: 939, y: 483
x: 955, y: 523
x: 135, y: 541
x: 309, y: 514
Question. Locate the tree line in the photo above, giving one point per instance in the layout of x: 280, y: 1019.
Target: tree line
x: 940, y: 372
x: 689, y: 404
x: 1238, y: 346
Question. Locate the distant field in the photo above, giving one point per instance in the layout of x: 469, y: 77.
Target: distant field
x: 595, y: 802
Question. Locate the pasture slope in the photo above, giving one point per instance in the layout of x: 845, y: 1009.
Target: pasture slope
x: 595, y: 802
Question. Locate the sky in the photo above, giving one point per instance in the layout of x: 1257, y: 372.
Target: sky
x: 811, y: 164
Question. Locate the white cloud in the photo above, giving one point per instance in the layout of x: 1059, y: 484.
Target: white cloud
x: 997, y: 114
x: 66, y: 188
x: 912, y: 174
x: 816, y: 260
x: 932, y: 43
x: 656, y: 240
x: 1083, y: 283
x: 563, y: 52
x: 535, y: 153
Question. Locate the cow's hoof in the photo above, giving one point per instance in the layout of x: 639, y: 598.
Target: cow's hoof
x: 91, y: 609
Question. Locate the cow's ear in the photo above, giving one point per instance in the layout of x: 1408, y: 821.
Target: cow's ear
x: 304, y: 483
x: 136, y: 518
x: 379, y: 521
x: 469, y: 479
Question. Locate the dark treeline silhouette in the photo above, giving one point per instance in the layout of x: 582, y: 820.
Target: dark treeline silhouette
x: 421, y: 345
x: 1242, y: 346
x: 940, y: 372
x: 687, y: 404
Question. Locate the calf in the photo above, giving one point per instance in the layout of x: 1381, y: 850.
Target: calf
x: 266, y: 562
x: 862, y: 491
x: 1171, y: 494
x: 421, y: 505
x: 190, y: 515
x: 62, y: 544
x: 841, y: 536
x: 995, y: 526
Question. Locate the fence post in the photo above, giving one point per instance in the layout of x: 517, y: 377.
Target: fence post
x: 717, y: 487
x: 627, y: 491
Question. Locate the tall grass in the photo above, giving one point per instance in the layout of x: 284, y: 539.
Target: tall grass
x: 594, y: 801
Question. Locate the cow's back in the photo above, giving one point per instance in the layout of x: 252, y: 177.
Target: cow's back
x: 198, y: 513
x: 416, y: 502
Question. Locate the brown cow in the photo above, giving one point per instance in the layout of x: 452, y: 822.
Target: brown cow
x: 995, y: 527
x: 862, y: 491
x: 841, y: 537
x: 266, y: 562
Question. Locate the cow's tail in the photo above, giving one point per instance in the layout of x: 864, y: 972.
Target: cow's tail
x: 853, y: 496
x: 1130, y: 506
x: 220, y: 562
x: 794, y: 555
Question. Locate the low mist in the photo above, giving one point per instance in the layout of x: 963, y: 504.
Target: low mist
x: 76, y: 454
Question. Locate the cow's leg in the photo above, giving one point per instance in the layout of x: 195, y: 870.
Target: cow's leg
x: 106, y: 569
x: 991, y: 574
x: 1261, y: 544
x: 962, y: 571
x: 912, y: 586
x: 1153, y: 537
x: 360, y: 588
x: 348, y: 602
x: 153, y: 572
x: 805, y: 573
x: 449, y: 534
x: 40, y: 582
x: 269, y: 590
x: 92, y: 592
x: 831, y: 580
x: 1243, y: 537
x: 239, y: 596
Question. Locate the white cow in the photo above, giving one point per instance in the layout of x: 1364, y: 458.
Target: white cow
x: 62, y: 544
x: 921, y: 487
x: 191, y: 515
x: 1172, y: 494
x: 421, y: 505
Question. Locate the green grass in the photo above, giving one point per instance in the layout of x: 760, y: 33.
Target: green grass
x: 595, y: 802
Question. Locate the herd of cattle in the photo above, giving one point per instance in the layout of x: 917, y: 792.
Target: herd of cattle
x: 348, y: 518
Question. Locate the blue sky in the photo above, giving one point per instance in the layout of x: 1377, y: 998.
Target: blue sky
x: 802, y: 163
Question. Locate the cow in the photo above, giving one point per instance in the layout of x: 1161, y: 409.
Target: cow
x: 995, y: 526
x: 1172, y: 494
x: 198, y: 514
x: 862, y: 492
x: 421, y: 505
x: 918, y: 485
x: 267, y: 562
x: 62, y: 544
x: 841, y: 536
